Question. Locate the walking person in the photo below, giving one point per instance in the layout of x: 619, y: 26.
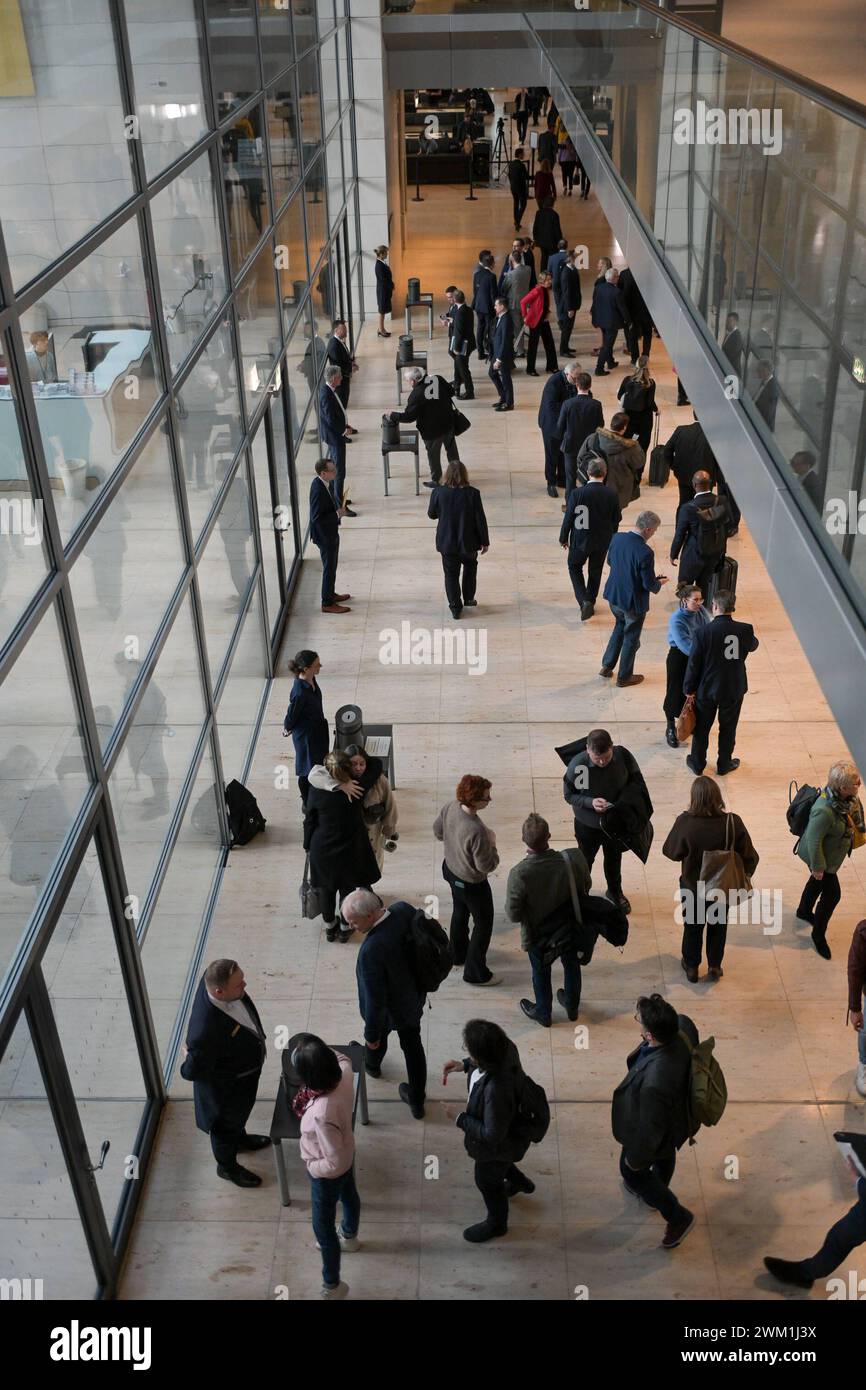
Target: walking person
x: 690, y: 614
x: 384, y: 288
x: 579, y: 417
x: 834, y: 827
x: 650, y: 1113
x: 461, y: 345
x: 521, y: 115
x: 639, y: 317
x: 705, y: 827
x: 515, y: 286
x: 555, y: 262
x: 502, y: 356
x: 610, y: 315
x: 716, y: 676
x: 544, y: 184
x: 604, y: 264
x: 492, y: 1132
x: 389, y: 995
x: 583, y: 176
x: 518, y: 182
x: 304, y: 718
x: 592, y: 516
x: 461, y: 535
x: 700, y: 535
x: 430, y: 406
x: 839, y: 1241
x: 638, y: 395
x: 336, y: 839
x: 324, y: 1106
x: 470, y: 855
x: 561, y: 387
x: 378, y: 804
x: 631, y: 580
x: 223, y: 1057
x: 569, y: 302
x: 325, y: 518
x: 547, y: 231
x: 483, y: 302
x: 535, y: 308
x: 687, y: 452
x: 597, y: 777
x: 567, y: 158
x: 539, y: 891
x: 856, y: 993
x: 624, y: 457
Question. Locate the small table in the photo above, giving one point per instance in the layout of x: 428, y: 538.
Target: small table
x: 423, y: 302
x: 419, y: 360
x: 285, y: 1123
x: 408, y: 445
x: 383, y: 731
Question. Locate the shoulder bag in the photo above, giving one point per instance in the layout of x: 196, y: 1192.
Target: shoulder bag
x: 311, y: 897
x: 723, y: 869
x: 564, y: 933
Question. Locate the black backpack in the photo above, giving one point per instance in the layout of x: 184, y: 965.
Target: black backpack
x: 712, y: 531
x: 533, y: 1111
x: 605, y: 919
x: 245, y: 818
x: 634, y: 396
x: 430, y: 954
x: 800, y: 805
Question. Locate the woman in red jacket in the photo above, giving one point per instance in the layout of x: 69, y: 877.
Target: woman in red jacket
x: 535, y: 308
x: 856, y: 992
x: 544, y: 184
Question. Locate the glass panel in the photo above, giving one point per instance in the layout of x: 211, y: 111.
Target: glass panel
x: 210, y: 423
x: 304, y: 358
x: 149, y: 773
x: 275, y: 28
x: 854, y: 306
x: 283, y: 137
x: 192, y: 277
x: 330, y: 92
x: 239, y: 702
x: 174, y: 928
x: 291, y: 261
x: 234, y: 62
x: 95, y: 1028
x: 258, y: 325
x: 813, y: 251
x: 308, y: 100
x: 802, y: 364
x: 324, y: 304
x: 348, y: 165
x: 42, y: 1236
x: 23, y: 559
x: 325, y: 16
x: 244, y: 178
x: 97, y: 378
x: 224, y: 571
x: 843, y: 463
x: 314, y: 199
x: 343, y: 69
x: 272, y: 522
x: 285, y: 529
x: 43, y: 776
x: 166, y: 46
x: 304, y: 24
x: 305, y: 467
x: 64, y: 157
x: 334, y: 164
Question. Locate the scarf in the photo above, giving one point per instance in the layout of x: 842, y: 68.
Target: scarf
x: 304, y: 1099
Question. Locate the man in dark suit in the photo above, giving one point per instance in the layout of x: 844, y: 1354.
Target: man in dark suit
x: 640, y: 319
x: 732, y: 344
x: 325, y: 533
x: 592, y: 515
x: 461, y: 344
x: 579, y: 417
x: 334, y: 429
x: 388, y: 994
x: 223, y: 1058
x: 557, y: 389
x: 518, y: 182
x: 461, y: 535
x: 555, y: 263
x: 517, y: 247
x: 569, y: 302
x: 716, y: 676
x: 631, y: 580
x: 340, y: 356
x: 650, y: 1112
x: 502, y: 356
x: 483, y: 295
x: 547, y: 231
x: 766, y: 397
x: 701, y: 534
x: 687, y: 453
x: 610, y: 315
x: 431, y: 407
x: 803, y: 464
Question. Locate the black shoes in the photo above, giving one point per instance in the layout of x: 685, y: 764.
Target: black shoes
x: 483, y: 1231
x: 518, y: 1184
x: 470, y: 603
x: 417, y: 1110
x: 698, y: 771
x: 349, y: 512
x: 531, y: 1012
x: 551, y: 490
x: 819, y: 941
x: 254, y: 1141
x: 241, y: 1177
x: 691, y: 972
x: 671, y: 736
x: 619, y: 900
x: 602, y: 373
x: 788, y: 1272
x: 676, y: 1231
x: 432, y: 482
x: 456, y: 613
x: 560, y: 999
x: 731, y: 767
x: 586, y: 611
x: 375, y: 1072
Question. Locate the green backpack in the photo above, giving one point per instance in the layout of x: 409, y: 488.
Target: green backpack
x: 708, y: 1091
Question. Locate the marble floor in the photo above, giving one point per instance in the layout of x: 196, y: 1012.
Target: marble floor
x: 768, y: 1179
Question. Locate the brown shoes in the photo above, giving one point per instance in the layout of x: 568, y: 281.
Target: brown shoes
x: 341, y: 598
x: 629, y: 680
x: 606, y: 671
x: 715, y: 972
x: 335, y: 608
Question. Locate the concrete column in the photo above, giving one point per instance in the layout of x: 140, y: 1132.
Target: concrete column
x: 369, y: 77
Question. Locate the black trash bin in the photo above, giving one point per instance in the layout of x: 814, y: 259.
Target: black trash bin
x: 413, y: 291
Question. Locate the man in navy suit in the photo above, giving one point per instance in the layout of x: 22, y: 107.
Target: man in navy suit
x: 483, y: 295
x: 502, y: 356
x: 580, y: 416
x: 334, y: 429
x: 592, y: 516
x: 631, y: 580
x: 716, y: 676
x: 570, y: 300
x: 223, y: 1058
x: 325, y: 518
x: 766, y: 396
x: 340, y: 356
x: 610, y: 315
x: 701, y: 534
x: 558, y: 388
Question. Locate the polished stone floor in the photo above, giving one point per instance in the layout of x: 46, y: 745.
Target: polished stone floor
x: 768, y: 1179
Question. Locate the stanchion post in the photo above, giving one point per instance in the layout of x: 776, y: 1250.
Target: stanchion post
x: 417, y: 198
x: 470, y: 197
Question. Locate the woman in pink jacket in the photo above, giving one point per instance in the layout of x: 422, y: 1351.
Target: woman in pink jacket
x: 324, y: 1106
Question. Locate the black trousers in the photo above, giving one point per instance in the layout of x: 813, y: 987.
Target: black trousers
x: 640, y: 427
x: 590, y: 841
x: 586, y: 592
x: 605, y: 352
x: 700, y: 575
x: 674, y: 697
x: 682, y: 395
x: 519, y: 200
x: 693, y: 932
x: 705, y: 712
x: 840, y: 1240
x: 303, y: 788
x: 639, y: 334
x: 460, y: 589
x: 819, y: 899
x: 554, y: 462
x: 462, y: 373
x: 503, y: 382
x: 338, y: 454
x: 566, y: 326
x: 484, y: 324
x: 434, y: 453
x: 413, y: 1053
x: 473, y: 900
x: 343, y: 391
x: 340, y: 888
x: 542, y: 332
x: 491, y: 1175
x: 227, y: 1133
x: 521, y: 120
x: 567, y: 171
x: 584, y: 180
x: 330, y: 553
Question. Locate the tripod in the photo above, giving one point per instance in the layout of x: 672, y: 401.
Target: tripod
x: 501, y: 155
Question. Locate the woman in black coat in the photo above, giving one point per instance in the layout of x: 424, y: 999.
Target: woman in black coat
x: 384, y: 288
x: 336, y: 839
x: 492, y: 1132
x: 638, y: 395
x: 305, y: 720
x: 460, y: 536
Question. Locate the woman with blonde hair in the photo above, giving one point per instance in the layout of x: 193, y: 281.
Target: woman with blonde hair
x: 336, y: 840
x: 638, y: 395
x: 378, y: 805
x: 834, y: 828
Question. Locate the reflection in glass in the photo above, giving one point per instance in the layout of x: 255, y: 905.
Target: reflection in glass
x: 308, y: 100
x: 44, y: 776
x: 258, y: 325
x: 285, y: 531
x: 314, y: 201
x: 283, y: 137
x: 305, y: 360
x: 224, y: 571
x: 234, y: 63
x: 304, y: 24
x: 275, y: 28
x: 23, y: 560
x: 325, y: 16
x: 334, y: 164
x: 210, y: 425
x: 330, y: 91
x: 192, y: 277
x: 813, y: 252
x: 291, y: 261
x: 154, y: 760
x: 125, y: 576
x: 324, y: 300
x: 241, y: 695
x: 343, y: 69
x: 271, y: 521
x: 305, y: 468
x: 854, y: 305
x: 166, y: 46
x: 244, y: 178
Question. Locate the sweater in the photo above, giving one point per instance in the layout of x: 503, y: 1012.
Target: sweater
x: 538, y: 885
x: 469, y: 852
x: 691, y: 836
x: 827, y: 840
x: 682, y: 626
x: 327, y: 1141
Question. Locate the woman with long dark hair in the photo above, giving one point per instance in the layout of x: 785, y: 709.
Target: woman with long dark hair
x: 461, y: 535
x: 304, y: 719
x: 336, y: 839
x: 682, y: 625
x: 378, y: 804
x: 544, y: 184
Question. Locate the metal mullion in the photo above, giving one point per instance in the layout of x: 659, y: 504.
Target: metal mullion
x: 267, y: 426
x: 194, y: 972
x: 259, y: 569
x: 67, y: 1120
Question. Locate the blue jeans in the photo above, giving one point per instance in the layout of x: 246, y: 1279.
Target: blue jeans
x: 861, y: 1045
x: 542, y: 986
x: 624, y: 641
x: 326, y: 1193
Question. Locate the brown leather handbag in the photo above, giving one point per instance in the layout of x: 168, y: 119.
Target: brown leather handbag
x: 686, y: 720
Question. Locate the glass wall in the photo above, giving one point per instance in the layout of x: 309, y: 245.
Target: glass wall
x: 170, y: 239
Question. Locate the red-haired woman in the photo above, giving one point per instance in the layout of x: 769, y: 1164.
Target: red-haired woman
x: 469, y: 856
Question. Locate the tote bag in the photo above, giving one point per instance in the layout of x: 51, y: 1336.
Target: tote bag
x: 723, y: 869
x: 311, y: 897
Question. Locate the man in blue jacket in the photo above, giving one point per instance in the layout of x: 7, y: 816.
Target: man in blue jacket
x: 389, y: 996
x: 325, y: 518
x: 502, y: 356
x: 631, y: 580
x: 484, y: 288
x: 334, y: 428
x: 559, y: 388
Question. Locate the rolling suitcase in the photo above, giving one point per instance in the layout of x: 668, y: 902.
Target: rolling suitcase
x: 659, y: 469
x: 725, y: 577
